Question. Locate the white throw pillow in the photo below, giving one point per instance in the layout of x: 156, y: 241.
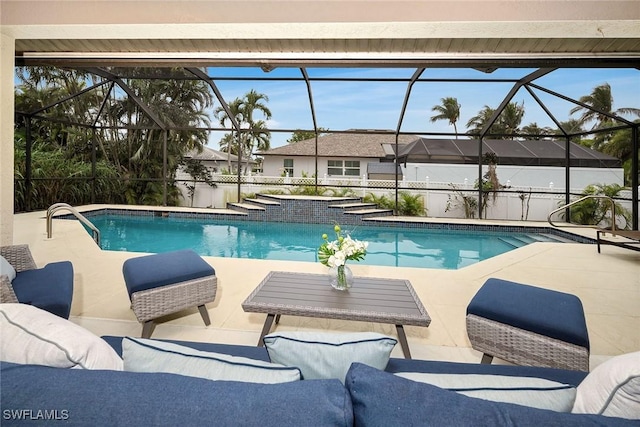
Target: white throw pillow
x: 7, y: 269
x: 321, y: 355
x: 612, y: 388
x: 34, y: 336
x: 143, y: 355
x: 527, y: 391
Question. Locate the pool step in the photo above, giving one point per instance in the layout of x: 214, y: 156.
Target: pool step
x: 343, y: 210
x: 525, y: 239
x: 369, y: 212
x: 554, y: 238
x: 262, y: 202
x: 244, y: 207
x: 513, y: 241
x: 353, y: 206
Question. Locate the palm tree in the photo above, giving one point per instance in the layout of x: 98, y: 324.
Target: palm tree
x: 227, y: 142
x: 536, y: 132
x: 477, y: 122
x: 600, y: 101
x: 177, y: 103
x: 510, y: 119
x: 571, y: 126
x: 449, y: 110
x: 254, y: 133
x: 599, y: 104
x: 506, y: 125
x: 258, y: 136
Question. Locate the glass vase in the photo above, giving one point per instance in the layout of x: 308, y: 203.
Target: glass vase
x: 341, y: 277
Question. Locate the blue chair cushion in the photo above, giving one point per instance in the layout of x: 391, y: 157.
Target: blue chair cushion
x: 542, y: 311
x: 49, y: 288
x: 152, y: 271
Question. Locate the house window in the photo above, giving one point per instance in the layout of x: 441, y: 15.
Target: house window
x: 352, y: 167
x: 347, y: 167
x: 288, y: 167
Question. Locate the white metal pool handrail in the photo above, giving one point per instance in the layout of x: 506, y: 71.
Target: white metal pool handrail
x: 65, y: 206
x: 592, y: 196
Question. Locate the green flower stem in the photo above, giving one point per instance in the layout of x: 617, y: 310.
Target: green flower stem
x: 342, y: 278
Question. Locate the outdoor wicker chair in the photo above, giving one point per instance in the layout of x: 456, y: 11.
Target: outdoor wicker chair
x: 49, y: 288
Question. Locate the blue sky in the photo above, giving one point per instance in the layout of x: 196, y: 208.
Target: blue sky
x: 377, y: 105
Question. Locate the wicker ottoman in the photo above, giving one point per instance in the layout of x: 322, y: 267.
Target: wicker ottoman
x: 529, y: 326
x: 166, y: 283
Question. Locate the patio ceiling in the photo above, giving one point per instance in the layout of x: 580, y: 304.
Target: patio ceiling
x: 466, y: 52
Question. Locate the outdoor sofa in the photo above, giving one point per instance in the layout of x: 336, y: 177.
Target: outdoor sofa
x: 86, y: 385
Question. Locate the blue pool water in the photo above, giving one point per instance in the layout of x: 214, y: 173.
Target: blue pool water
x: 388, y: 246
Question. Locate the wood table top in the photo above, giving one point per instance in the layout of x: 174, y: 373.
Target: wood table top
x: 369, y: 299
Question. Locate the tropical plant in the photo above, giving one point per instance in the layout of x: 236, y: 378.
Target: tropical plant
x: 535, y: 132
x: 342, y: 192
x: 449, y: 110
x: 55, y: 178
x: 594, y: 211
x: 598, y: 109
x: 505, y: 127
x: 620, y: 145
x: 198, y: 173
x: 476, y: 123
x: 253, y: 133
x: 571, y: 126
x: 460, y: 200
x: 128, y: 134
x: 139, y: 151
x: 490, y: 182
x: 382, y: 201
x: 410, y: 204
x: 307, y: 190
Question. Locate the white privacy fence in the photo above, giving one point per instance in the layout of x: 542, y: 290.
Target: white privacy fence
x: 440, y: 199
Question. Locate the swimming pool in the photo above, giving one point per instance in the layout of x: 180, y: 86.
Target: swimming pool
x: 388, y: 245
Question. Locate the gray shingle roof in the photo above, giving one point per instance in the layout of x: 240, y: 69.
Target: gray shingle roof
x: 211, y: 155
x: 341, y: 145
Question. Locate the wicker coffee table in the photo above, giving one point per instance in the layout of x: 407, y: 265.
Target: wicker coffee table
x: 370, y: 300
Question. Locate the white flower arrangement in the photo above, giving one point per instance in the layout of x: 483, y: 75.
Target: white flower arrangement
x: 335, y: 253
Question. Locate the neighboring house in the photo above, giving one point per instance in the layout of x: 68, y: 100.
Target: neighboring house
x: 216, y: 161
x: 535, y: 163
x: 339, y: 155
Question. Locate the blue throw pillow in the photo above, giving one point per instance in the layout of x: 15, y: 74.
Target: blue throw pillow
x: 321, y: 355
x: 535, y: 392
x: 383, y: 399
x: 144, y: 355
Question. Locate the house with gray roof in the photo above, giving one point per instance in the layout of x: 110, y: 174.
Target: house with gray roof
x: 216, y: 161
x: 338, y: 154
x: 371, y: 153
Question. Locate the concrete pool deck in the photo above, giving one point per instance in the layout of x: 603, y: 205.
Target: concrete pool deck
x: 608, y: 285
